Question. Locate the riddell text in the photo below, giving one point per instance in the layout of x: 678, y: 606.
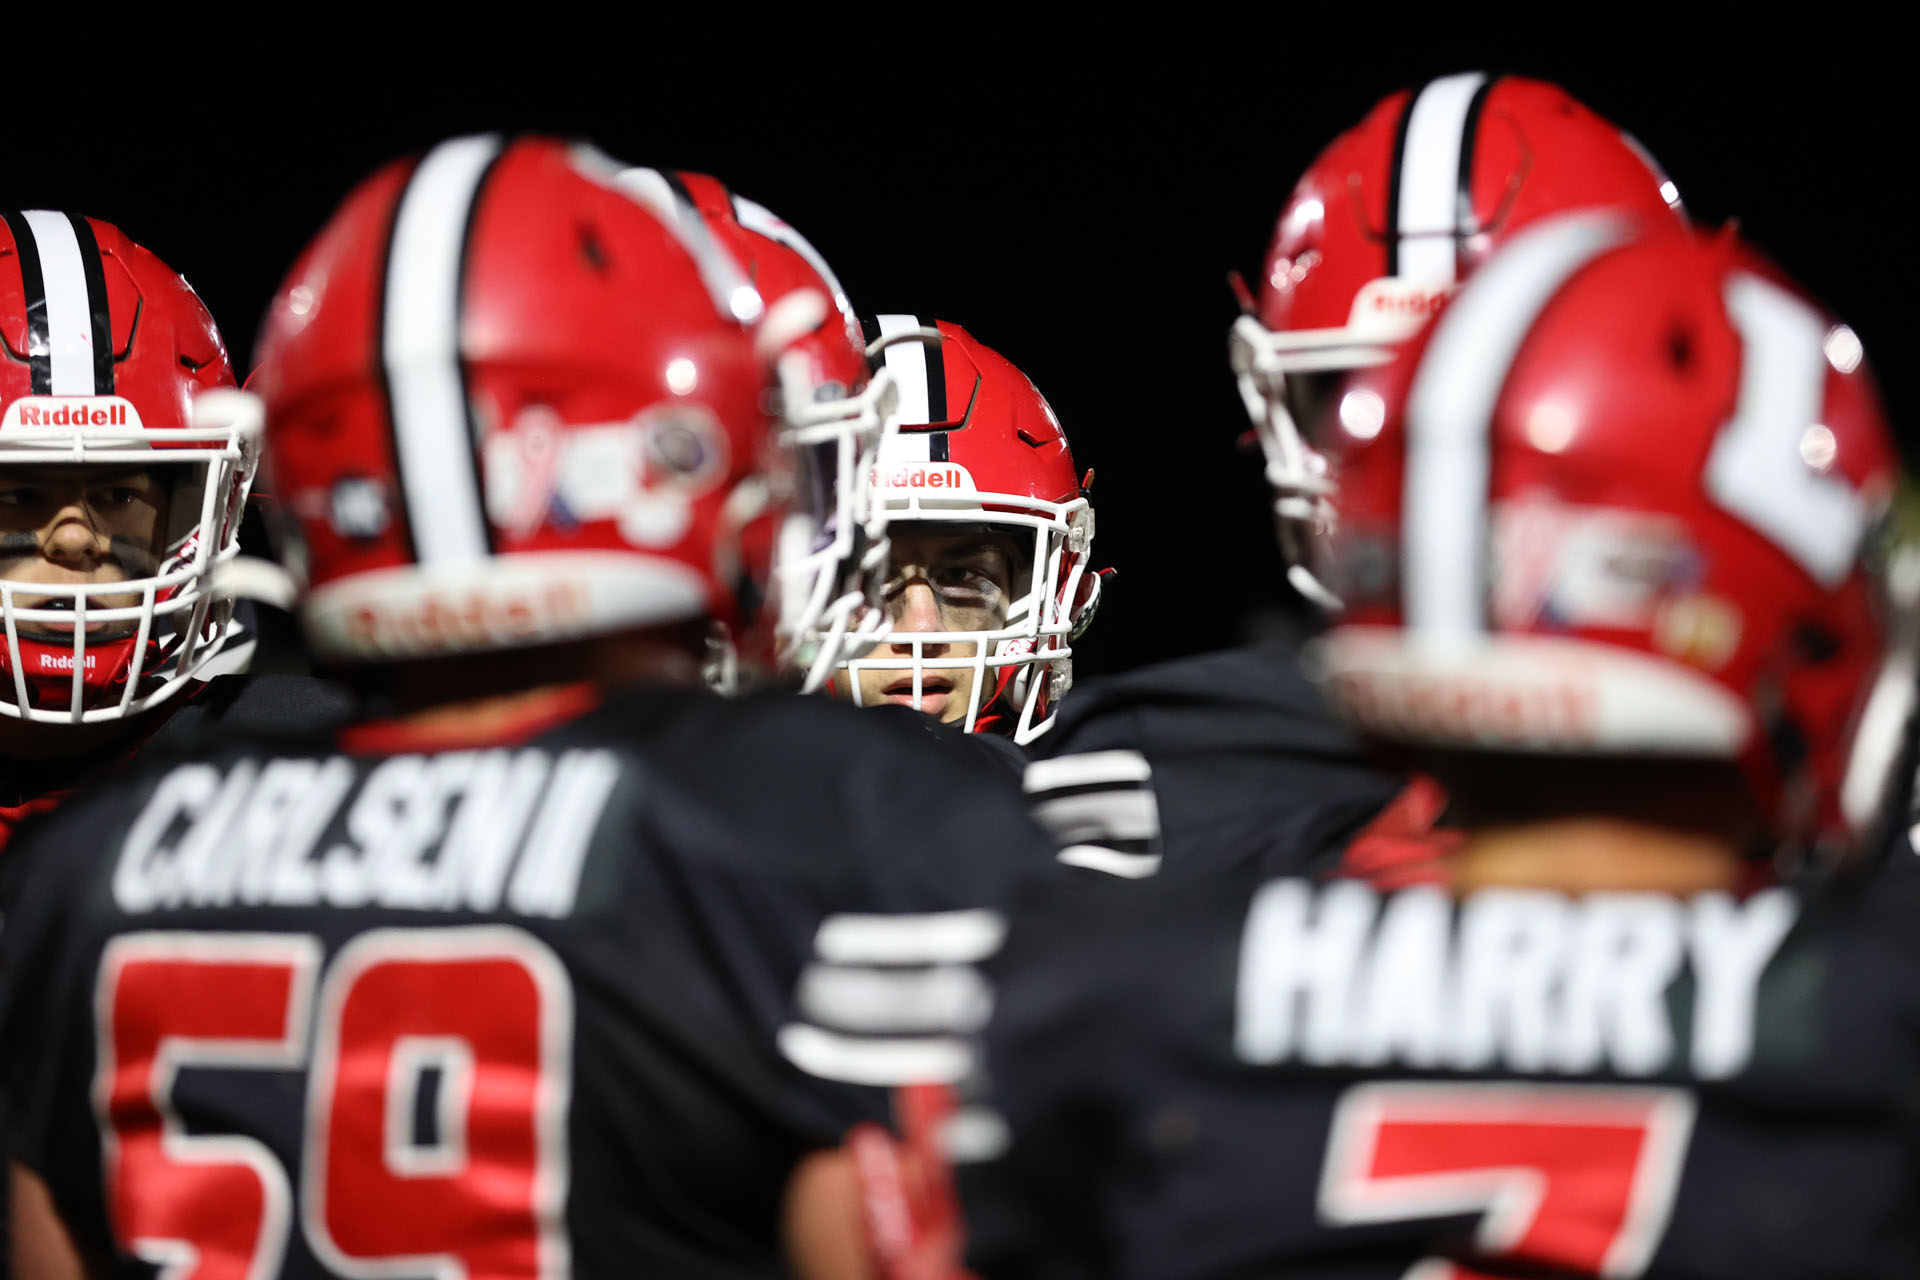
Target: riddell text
x: 476, y: 619
x: 73, y: 416
x: 926, y: 478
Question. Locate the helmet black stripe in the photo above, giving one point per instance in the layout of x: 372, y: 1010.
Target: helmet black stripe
x: 97, y: 312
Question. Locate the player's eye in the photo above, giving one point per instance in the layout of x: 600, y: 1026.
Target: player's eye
x: 119, y: 495
x: 971, y: 583
x: 20, y: 496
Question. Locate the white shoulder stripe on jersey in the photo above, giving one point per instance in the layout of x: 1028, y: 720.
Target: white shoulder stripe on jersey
x: 907, y: 362
x: 890, y: 1061
x: 944, y: 937
x: 69, y: 313
x: 1093, y: 857
x: 1089, y: 769
x: 1100, y: 816
x: 420, y: 344
x: 895, y: 1001
x: 1430, y: 177
x: 1450, y: 410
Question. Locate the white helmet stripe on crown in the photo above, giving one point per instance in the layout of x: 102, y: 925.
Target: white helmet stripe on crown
x: 435, y: 437
x: 764, y: 221
x: 69, y: 336
x: 1433, y: 180
x: 918, y: 373
x: 1450, y: 412
x: 663, y: 193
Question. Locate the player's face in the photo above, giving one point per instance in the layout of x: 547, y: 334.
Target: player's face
x: 73, y: 525
x: 941, y: 580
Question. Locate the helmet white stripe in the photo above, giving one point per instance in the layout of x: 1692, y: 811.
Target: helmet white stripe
x: 420, y: 345
x: 1450, y: 412
x: 907, y: 362
x: 1429, y: 212
x: 70, y: 331
x: 758, y: 218
x: 666, y: 196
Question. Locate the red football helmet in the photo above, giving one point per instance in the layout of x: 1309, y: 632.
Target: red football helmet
x: 834, y: 411
x: 106, y: 349
x: 509, y: 404
x: 1379, y: 230
x: 977, y: 444
x: 1621, y: 498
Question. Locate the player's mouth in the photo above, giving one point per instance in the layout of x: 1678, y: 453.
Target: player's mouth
x: 62, y: 632
x: 935, y: 691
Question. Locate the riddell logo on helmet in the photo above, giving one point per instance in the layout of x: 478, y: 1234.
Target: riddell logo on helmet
x: 70, y: 411
x: 62, y: 662
x: 478, y: 619
x: 1459, y: 707
x: 925, y: 475
x: 1397, y: 305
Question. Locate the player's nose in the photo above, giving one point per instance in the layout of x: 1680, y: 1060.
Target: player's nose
x: 71, y: 539
x: 917, y: 608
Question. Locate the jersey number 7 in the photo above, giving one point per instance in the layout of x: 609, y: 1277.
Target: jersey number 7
x: 486, y: 1012
x: 1573, y: 1177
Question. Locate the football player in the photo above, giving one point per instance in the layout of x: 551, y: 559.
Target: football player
x: 1204, y: 759
x: 116, y: 513
x: 835, y: 410
x: 990, y: 582
x: 1609, y: 547
x: 490, y: 981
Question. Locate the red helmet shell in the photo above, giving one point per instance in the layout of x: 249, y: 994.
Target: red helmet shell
x: 1670, y: 464
x: 779, y: 262
x: 507, y: 403
x: 89, y: 319
x: 1428, y: 183
x: 972, y: 407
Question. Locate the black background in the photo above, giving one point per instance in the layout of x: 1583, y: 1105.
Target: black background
x: 1076, y: 205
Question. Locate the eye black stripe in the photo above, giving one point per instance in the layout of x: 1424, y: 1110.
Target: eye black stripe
x: 95, y: 273
x: 33, y: 286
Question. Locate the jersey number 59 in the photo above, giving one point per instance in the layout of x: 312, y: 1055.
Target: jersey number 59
x: 485, y: 1013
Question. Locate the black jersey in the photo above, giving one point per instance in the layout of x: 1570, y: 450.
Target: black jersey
x: 1198, y: 763
x: 1317, y: 1079
x: 225, y: 704
x: 327, y: 1013
x: 997, y: 747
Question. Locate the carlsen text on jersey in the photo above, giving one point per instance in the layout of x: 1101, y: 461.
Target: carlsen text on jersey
x: 1630, y: 984
x: 485, y: 831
